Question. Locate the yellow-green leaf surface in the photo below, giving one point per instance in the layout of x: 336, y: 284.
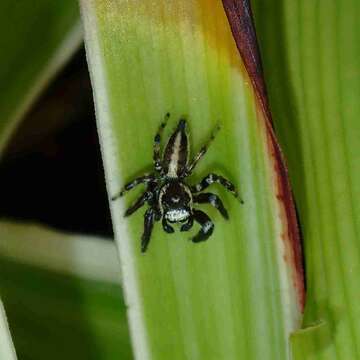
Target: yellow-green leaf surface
x: 36, y: 39
x: 311, y: 53
x: 232, y: 297
x: 7, y: 351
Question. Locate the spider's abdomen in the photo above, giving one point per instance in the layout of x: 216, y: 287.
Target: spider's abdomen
x: 176, y: 152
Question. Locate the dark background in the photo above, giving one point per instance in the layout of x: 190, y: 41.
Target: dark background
x: 51, y: 171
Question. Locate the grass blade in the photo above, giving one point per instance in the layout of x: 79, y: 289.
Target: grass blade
x: 61, y: 316
x: 43, y: 36
x: 77, y: 255
x: 312, y: 60
x: 187, y: 301
x: 7, y: 351
x: 62, y: 295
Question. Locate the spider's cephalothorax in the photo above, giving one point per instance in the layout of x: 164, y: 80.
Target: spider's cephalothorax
x: 169, y: 198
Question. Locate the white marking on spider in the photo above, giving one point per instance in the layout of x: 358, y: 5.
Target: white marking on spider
x: 177, y: 215
x: 162, y: 192
x: 174, y: 159
x: 212, y: 199
x: 207, y: 226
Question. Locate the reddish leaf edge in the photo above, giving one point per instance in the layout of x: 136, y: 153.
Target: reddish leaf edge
x: 241, y: 22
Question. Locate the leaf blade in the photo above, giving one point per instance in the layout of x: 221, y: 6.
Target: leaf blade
x: 7, y: 350
x: 145, y: 61
x: 311, y: 56
x: 43, y: 37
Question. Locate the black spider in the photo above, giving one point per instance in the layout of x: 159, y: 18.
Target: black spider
x: 168, y: 196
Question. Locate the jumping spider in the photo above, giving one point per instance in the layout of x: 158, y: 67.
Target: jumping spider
x: 168, y: 196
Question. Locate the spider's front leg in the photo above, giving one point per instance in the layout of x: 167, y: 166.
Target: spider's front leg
x: 157, y: 140
x: 214, y: 178
x: 207, y: 226
x: 145, y: 179
x: 212, y: 199
x: 149, y: 218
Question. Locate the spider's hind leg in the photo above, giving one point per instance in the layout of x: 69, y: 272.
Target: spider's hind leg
x: 202, y: 151
x: 130, y: 185
x: 207, y: 226
x: 212, y: 199
x: 157, y: 140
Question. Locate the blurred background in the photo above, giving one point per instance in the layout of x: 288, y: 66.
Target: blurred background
x: 52, y: 166
x: 62, y: 299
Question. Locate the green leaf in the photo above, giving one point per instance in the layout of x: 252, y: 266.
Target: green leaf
x: 62, y: 295
x: 58, y: 316
x: 234, y: 296
x: 302, y: 344
x: 7, y: 351
x: 83, y: 256
x: 312, y: 59
x: 36, y: 39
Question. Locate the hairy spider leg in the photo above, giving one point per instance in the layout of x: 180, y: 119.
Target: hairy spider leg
x: 190, y: 167
x: 214, y: 200
x: 169, y: 229
x: 147, y: 195
x: 188, y: 225
x: 176, y: 152
x: 207, y: 226
x: 130, y: 185
x: 214, y: 178
x: 157, y: 140
x: 149, y: 219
